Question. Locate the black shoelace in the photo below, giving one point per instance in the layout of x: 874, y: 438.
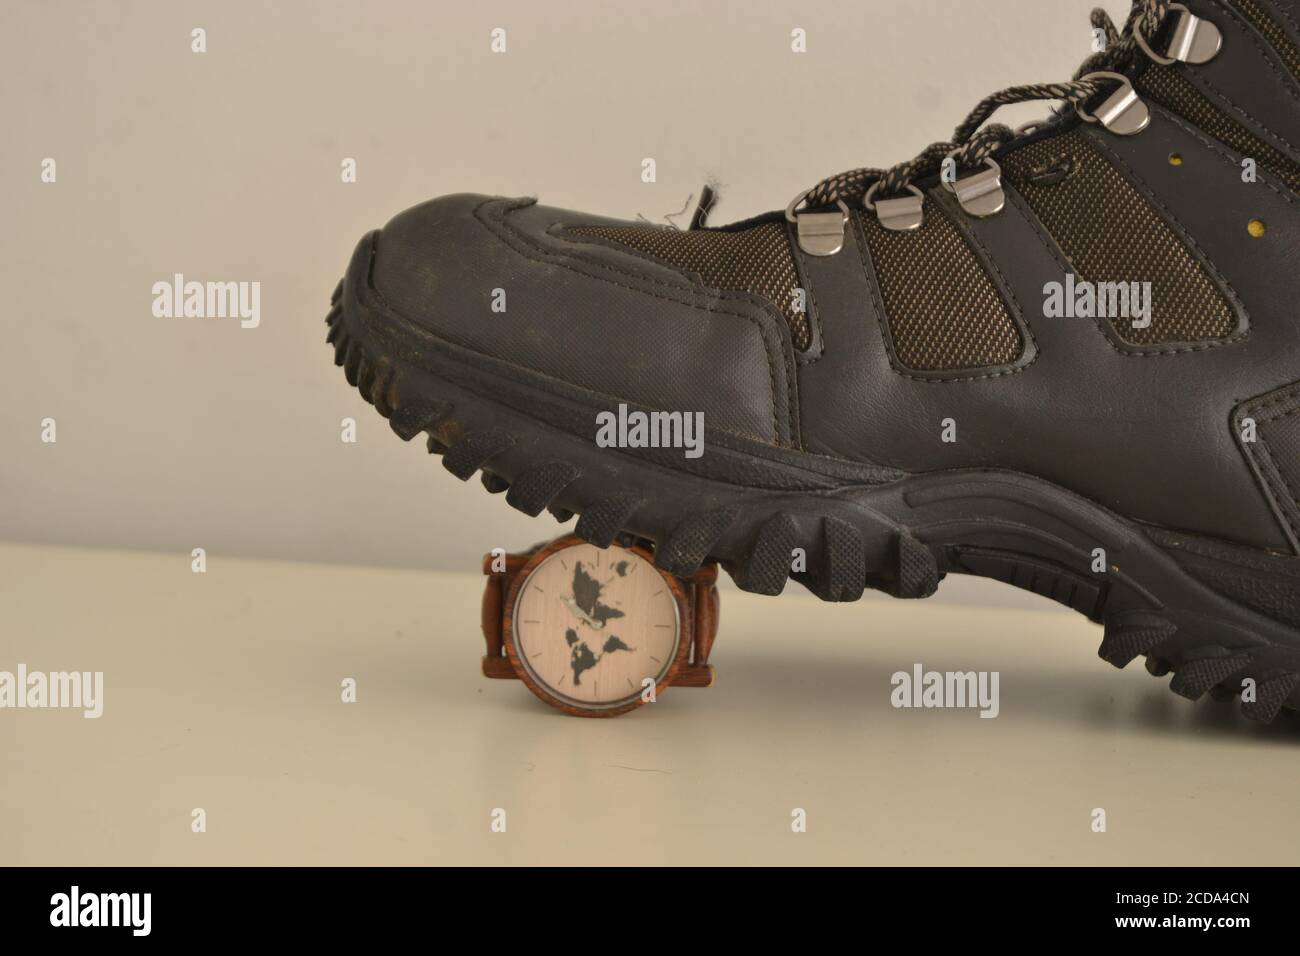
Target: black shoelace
x: 973, y: 142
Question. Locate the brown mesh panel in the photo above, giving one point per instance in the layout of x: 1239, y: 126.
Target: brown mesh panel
x: 943, y: 310
x: 1272, y: 31
x: 1111, y: 233
x: 756, y: 260
x: 1176, y: 93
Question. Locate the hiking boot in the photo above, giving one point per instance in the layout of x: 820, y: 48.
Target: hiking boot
x: 1065, y: 356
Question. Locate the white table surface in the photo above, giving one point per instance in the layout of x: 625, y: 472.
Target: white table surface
x: 222, y: 692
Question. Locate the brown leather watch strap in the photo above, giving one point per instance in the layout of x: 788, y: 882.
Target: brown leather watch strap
x: 495, y: 662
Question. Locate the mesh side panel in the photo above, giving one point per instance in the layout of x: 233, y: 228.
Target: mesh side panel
x: 1111, y: 233
x: 1176, y: 93
x: 1272, y: 31
x: 757, y: 260
x: 944, y: 312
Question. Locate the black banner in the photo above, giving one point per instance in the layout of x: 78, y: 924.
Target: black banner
x: 237, y: 904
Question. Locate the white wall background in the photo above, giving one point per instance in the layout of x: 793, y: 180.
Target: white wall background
x: 180, y: 433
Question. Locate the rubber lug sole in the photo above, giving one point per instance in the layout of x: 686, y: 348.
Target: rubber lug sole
x: 601, y: 523
x: 536, y: 488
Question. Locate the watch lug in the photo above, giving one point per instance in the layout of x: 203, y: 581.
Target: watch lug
x: 498, y: 668
x: 704, y: 623
x: 694, y: 675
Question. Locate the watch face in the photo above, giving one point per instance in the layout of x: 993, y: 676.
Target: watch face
x: 591, y: 624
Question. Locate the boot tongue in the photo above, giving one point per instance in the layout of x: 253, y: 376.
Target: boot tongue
x: 708, y: 199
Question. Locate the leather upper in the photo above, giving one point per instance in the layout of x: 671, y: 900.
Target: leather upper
x: 1149, y: 433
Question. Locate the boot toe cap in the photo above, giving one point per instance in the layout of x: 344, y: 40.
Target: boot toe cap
x: 500, y: 277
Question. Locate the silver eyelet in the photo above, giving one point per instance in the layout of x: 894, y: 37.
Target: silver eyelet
x: 819, y: 233
x: 900, y: 214
x: 1195, y: 40
x: 1123, y: 112
x: 981, y: 194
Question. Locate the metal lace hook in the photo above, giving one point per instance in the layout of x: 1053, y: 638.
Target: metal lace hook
x: 980, y: 194
x: 819, y: 233
x: 1123, y: 112
x: 1195, y: 40
x: 899, y: 214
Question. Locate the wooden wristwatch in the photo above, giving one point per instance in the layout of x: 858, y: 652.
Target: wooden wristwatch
x: 597, y: 632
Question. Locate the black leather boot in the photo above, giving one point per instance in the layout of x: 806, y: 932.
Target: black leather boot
x: 1064, y: 356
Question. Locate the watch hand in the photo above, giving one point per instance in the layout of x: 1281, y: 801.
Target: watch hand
x: 580, y: 614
